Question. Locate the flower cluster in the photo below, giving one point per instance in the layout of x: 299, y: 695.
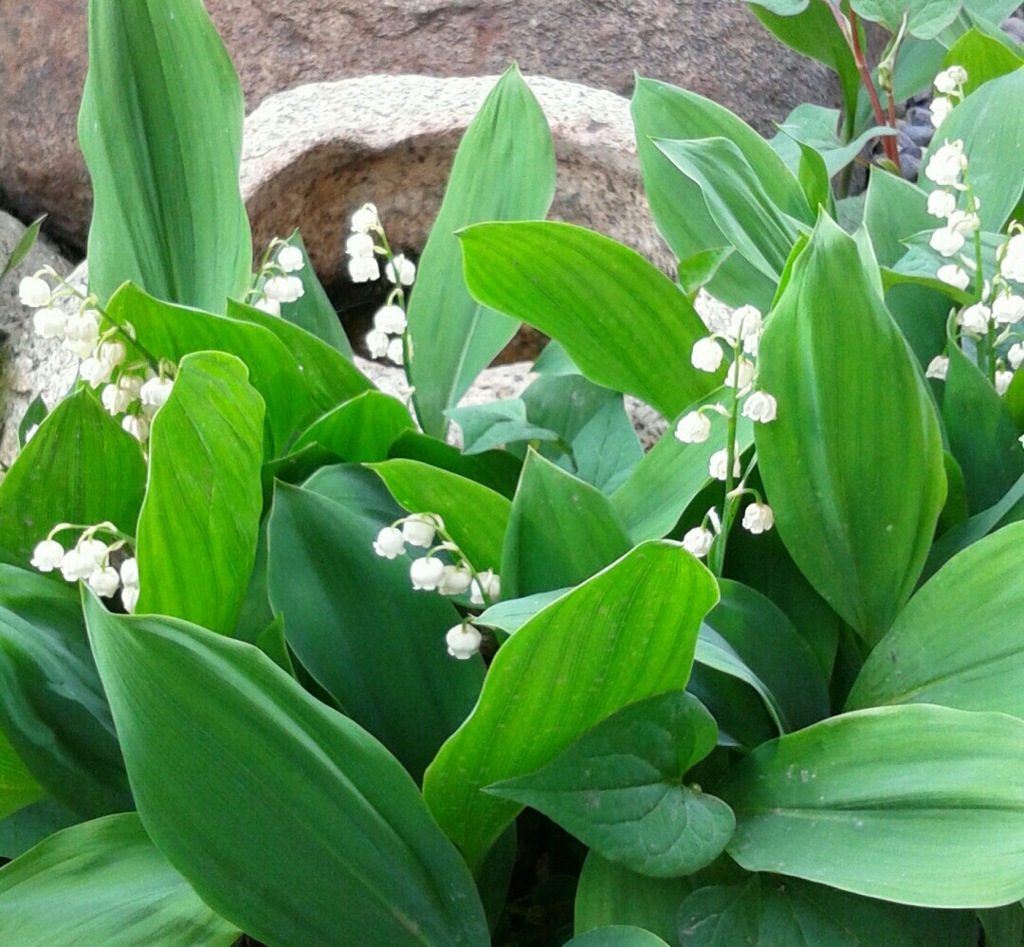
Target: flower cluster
x: 130, y: 388
x: 275, y: 283
x: 950, y: 85
x: 90, y: 561
x: 431, y: 573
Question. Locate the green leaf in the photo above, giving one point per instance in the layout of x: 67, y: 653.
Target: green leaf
x: 858, y: 534
x: 496, y: 424
x: 922, y: 801
x: 287, y: 818
x: 983, y: 57
x: 161, y: 131
x: 104, y: 882
x: 815, y: 125
x: 607, y: 449
x: 782, y: 912
x: 29, y: 826
x: 34, y: 415
x: 504, y: 170
x: 560, y: 531
x: 474, y: 515
x: 52, y: 707
x: 700, y: 268
x: 18, y: 787
x: 622, y: 321
x: 23, y: 247
x: 924, y: 19
x: 760, y: 217
x: 619, y: 788
x: 617, y: 936
x: 991, y: 127
x: 930, y: 657
x: 361, y: 430
x: 357, y: 625
x: 982, y: 435
x: 1004, y: 927
x: 80, y: 467
x: 498, y: 470
x: 199, y: 523
x: 511, y: 614
x: 568, y: 668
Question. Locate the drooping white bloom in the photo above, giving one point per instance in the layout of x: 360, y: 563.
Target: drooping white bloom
x: 359, y: 246
x: 390, y: 319
x: 113, y: 353
x: 47, y: 555
x: 1016, y: 355
x: 130, y: 598
x: 975, y: 319
x: 693, y: 428
x: 132, y: 385
x: 489, y: 584
x: 270, y: 306
x: 390, y: 544
x: 1011, y: 263
x: 137, y: 425
x: 758, y: 518
x: 745, y: 323
x: 82, y: 333
x: 285, y: 289
x: 154, y: 394
x: 456, y: 581
x: 80, y: 562
x: 34, y: 292
x: 401, y: 270
x: 49, y: 323
x: 1008, y: 308
x: 419, y: 529
x: 963, y: 222
x: 697, y: 541
x: 761, y: 407
x: 95, y: 371
x: 950, y: 79
x: 377, y: 343
x: 740, y: 374
x: 95, y: 550
x: 395, y: 351
x: 953, y: 275
x: 707, y: 355
x: 1002, y: 382
x: 104, y: 581
x: 938, y: 368
x: 463, y: 641
x: 947, y: 164
x: 941, y: 203
x: 717, y: 464
x: 130, y: 571
x: 290, y: 259
x: 940, y: 108
x: 946, y: 242
x: 366, y: 219
x: 363, y: 269
x: 426, y: 573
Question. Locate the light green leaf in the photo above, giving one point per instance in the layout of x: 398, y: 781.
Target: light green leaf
x: 287, y: 818
x: 360, y: 430
x: 931, y: 655
x: 815, y: 125
x: 924, y: 19
x: 23, y: 247
x: 18, y: 787
x: 922, y: 801
x: 200, y: 519
x: 504, y: 170
x: 858, y: 534
x: 80, y: 467
x: 619, y: 788
x: 104, y: 882
x: 161, y: 131
x: 622, y: 321
x: 617, y: 936
x: 475, y: 516
x: 984, y: 58
x: 496, y: 424
x: 560, y: 674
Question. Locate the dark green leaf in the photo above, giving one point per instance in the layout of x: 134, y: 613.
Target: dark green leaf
x: 617, y: 936
x: 287, y: 818
x: 161, y: 131
x: 498, y: 470
x: 18, y: 787
x: 1004, y: 927
x: 34, y: 415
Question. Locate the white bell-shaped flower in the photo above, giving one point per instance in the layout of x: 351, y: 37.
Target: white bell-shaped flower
x: 34, y: 292
x: 290, y: 259
x: 426, y: 573
x: 419, y: 529
x: 463, y: 641
x: 707, y: 355
x: 760, y: 407
x: 389, y: 543
x: 758, y: 518
x: 104, y: 581
x: 47, y: 556
x: 693, y: 428
x: 697, y: 541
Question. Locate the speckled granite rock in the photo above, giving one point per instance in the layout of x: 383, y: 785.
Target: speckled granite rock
x: 714, y: 47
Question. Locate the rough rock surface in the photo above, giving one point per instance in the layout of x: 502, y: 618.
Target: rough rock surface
x: 714, y: 47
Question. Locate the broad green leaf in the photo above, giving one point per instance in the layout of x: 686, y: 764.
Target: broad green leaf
x: 767, y: 911
x: 498, y: 470
x: 23, y: 247
x: 104, y: 882
x: 933, y: 655
x: 760, y: 218
x: 287, y: 818
x: 617, y: 936
x: 199, y: 523
x: 80, y: 467
x: 504, y: 170
x: 567, y: 669
x: 496, y: 424
x: 161, y: 131
x: 52, y: 707
x: 474, y: 515
x: 983, y: 57
x: 607, y: 448
x: 622, y: 321
x: 34, y: 415
x: 357, y: 625
x: 611, y: 894
x: 859, y: 534
x: 699, y: 269
x: 18, y: 787
x: 360, y: 430
x: 924, y: 19
x: 560, y: 531
x: 619, y: 788
x: 29, y: 826
x: 982, y: 435
x: 511, y: 614
x: 991, y: 125
x: 922, y: 801
x: 816, y: 126
x: 739, y: 708
x: 660, y: 110
x: 1004, y: 927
